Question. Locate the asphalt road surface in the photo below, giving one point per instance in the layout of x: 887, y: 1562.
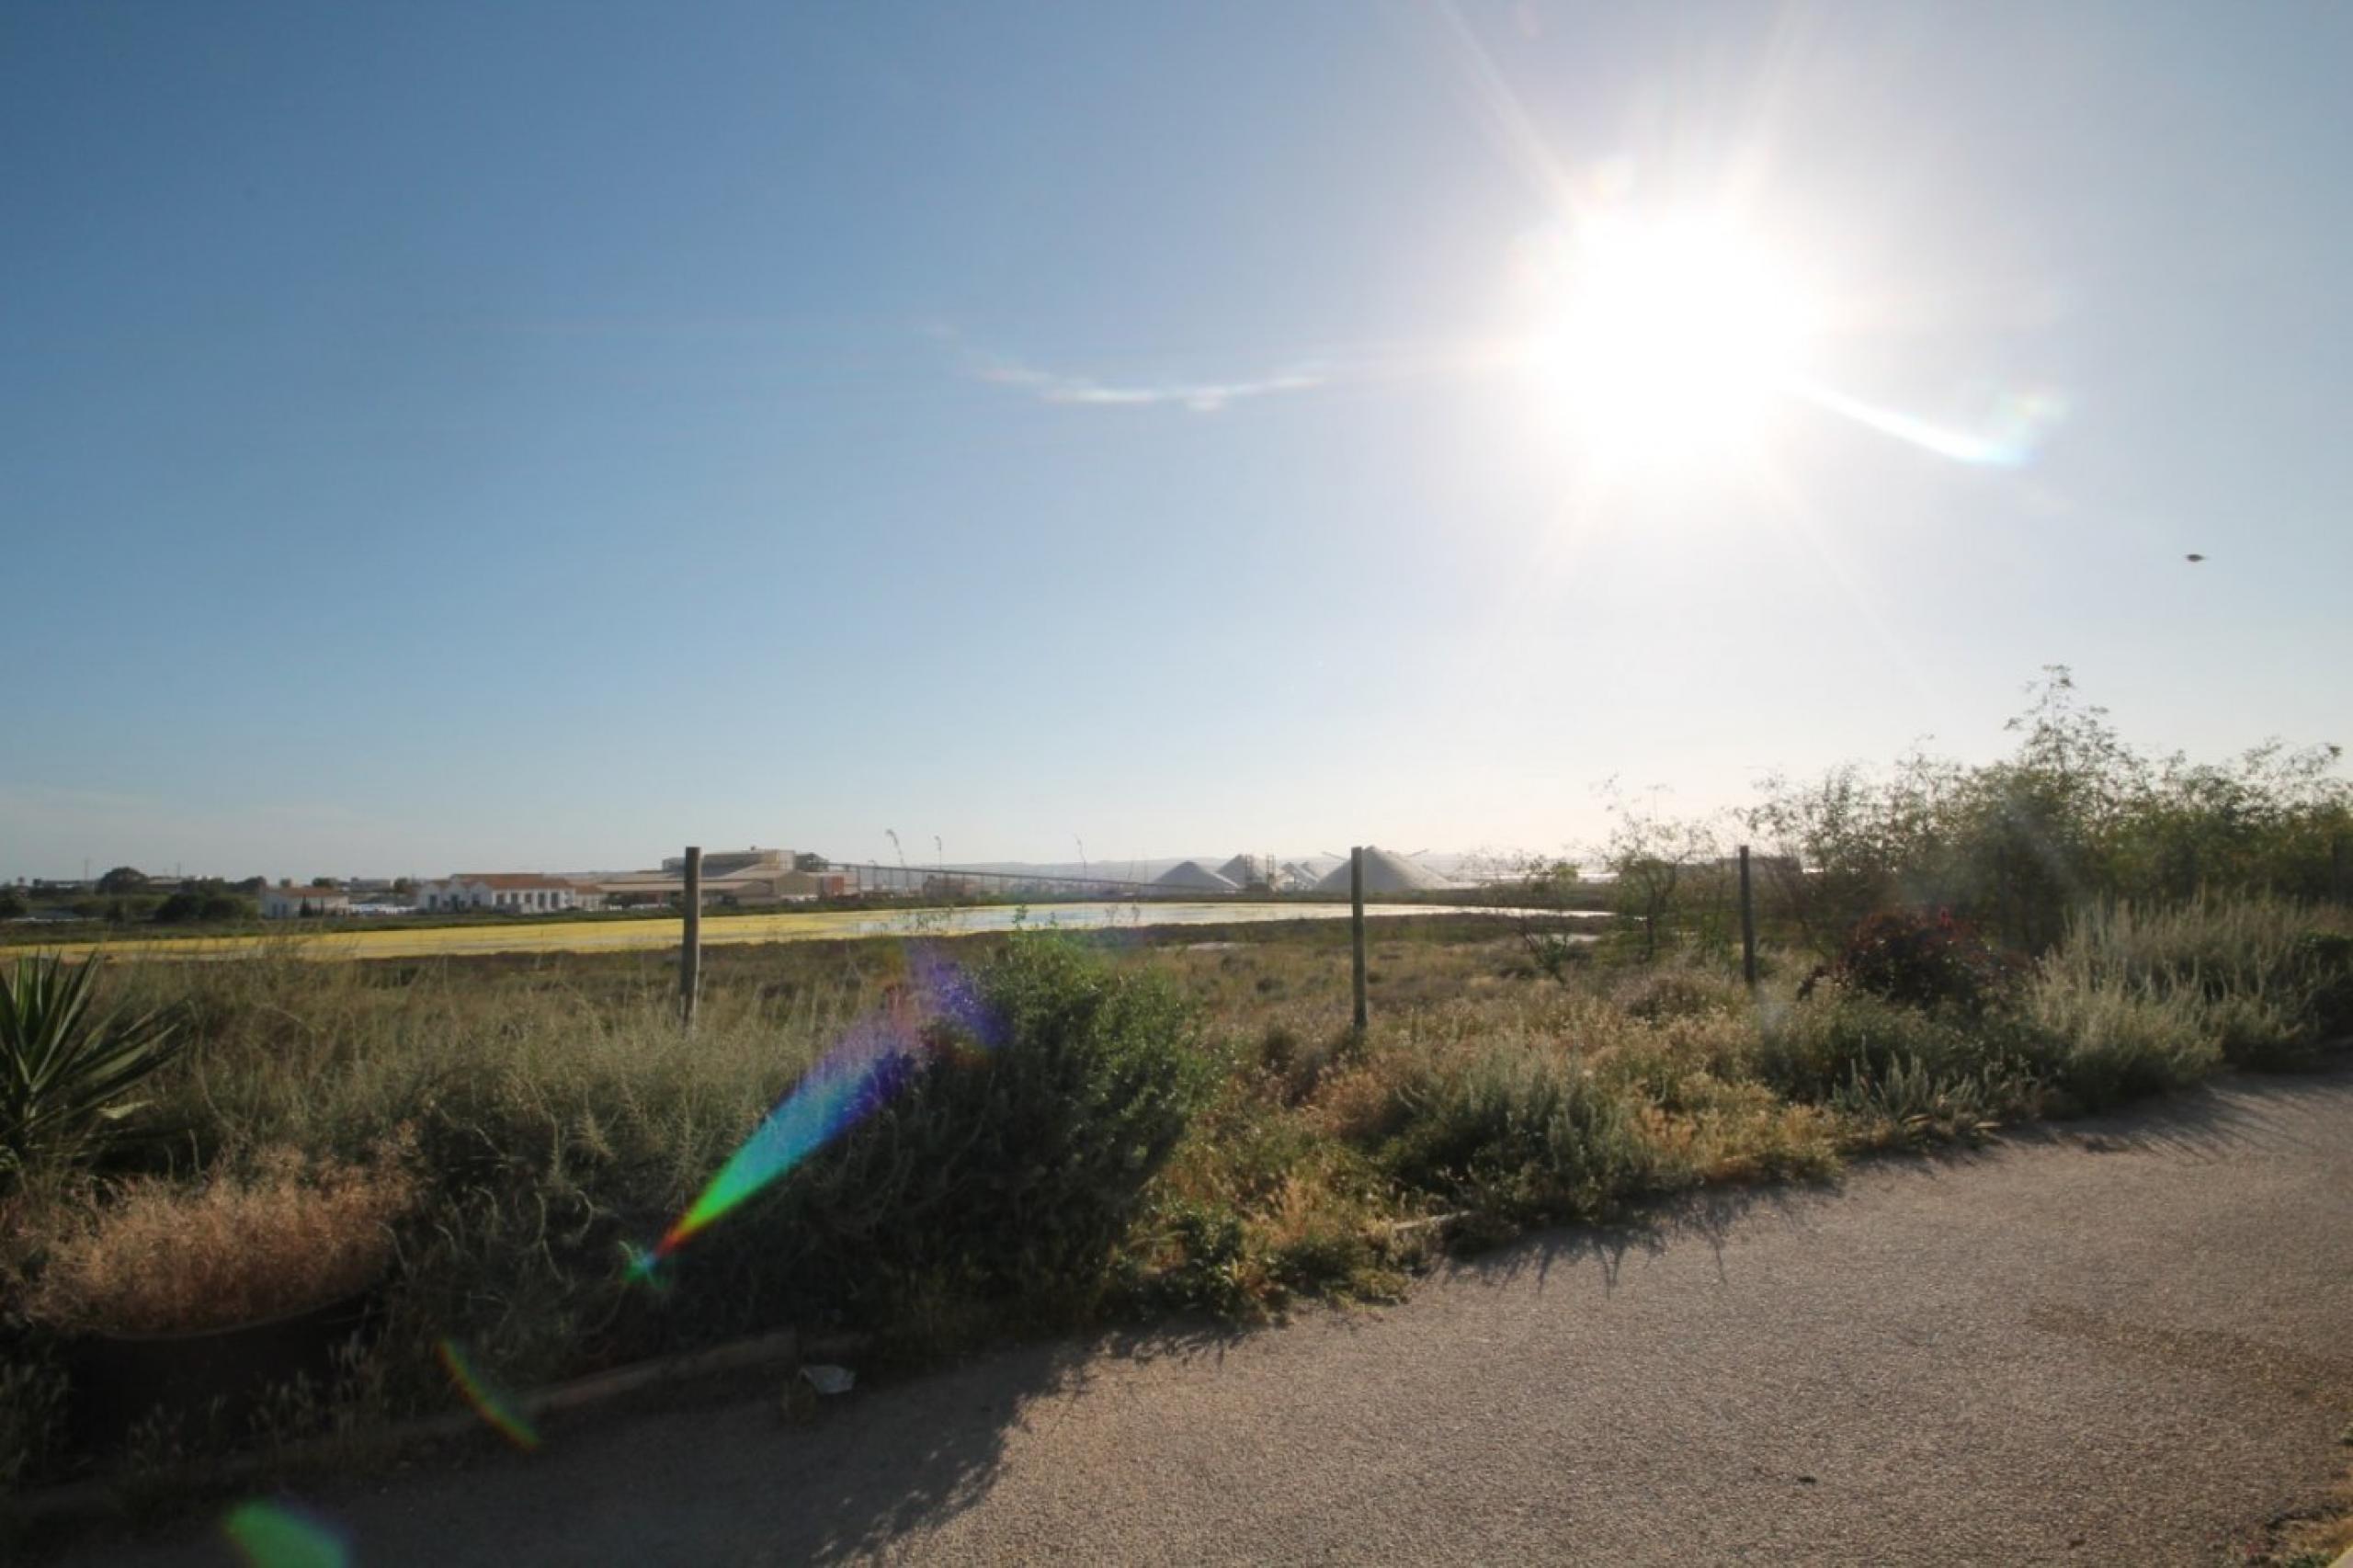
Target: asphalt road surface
x: 2122, y: 1341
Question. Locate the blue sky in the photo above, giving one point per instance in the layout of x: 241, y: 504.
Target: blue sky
x: 543, y: 435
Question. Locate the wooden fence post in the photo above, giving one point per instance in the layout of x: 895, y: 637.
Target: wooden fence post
x: 1747, y: 925
x: 690, y: 949
x: 1356, y: 925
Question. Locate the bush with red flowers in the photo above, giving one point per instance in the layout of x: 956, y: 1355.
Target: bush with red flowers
x: 1923, y: 959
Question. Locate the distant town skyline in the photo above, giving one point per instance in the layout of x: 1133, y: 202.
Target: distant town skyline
x: 446, y: 438
x: 1118, y: 869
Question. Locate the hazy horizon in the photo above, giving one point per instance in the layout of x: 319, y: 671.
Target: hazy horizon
x: 541, y: 437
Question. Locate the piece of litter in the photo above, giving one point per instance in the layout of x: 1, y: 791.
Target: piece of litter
x: 829, y: 1380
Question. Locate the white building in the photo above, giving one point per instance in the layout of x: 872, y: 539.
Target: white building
x: 286, y: 904
x: 519, y: 893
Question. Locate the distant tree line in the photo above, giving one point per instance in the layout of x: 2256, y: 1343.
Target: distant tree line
x: 2073, y: 817
x: 126, y: 895
x: 2076, y: 815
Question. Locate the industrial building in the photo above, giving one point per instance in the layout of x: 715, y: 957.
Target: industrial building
x: 514, y: 891
x: 731, y: 875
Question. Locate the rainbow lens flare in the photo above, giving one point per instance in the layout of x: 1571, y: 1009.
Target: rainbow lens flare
x: 280, y: 1535
x: 865, y: 1067
x: 488, y: 1401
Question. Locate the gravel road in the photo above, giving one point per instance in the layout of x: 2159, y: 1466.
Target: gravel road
x: 2129, y: 1340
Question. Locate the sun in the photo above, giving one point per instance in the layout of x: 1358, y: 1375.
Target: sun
x: 1668, y: 340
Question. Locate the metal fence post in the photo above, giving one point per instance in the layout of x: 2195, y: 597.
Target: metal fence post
x: 690, y: 949
x: 1747, y: 925
x: 1356, y: 925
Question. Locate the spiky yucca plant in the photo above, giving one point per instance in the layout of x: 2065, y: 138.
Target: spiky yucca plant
x: 64, y: 1068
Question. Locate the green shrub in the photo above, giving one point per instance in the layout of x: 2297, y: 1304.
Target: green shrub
x: 1017, y: 1156
x: 1327, y: 1258
x: 1910, y: 1102
x: 2330, y: 956
x: 2247, y: 974
x: 1208, y: 1272
x: 1518, y: 1131
x: 1294, y: 1055
x: 1660, y: 992
x: 2263, y: 1032
x: 2212, y: 945
x: 2108, y: 1040
x: 1819, y: 1047
x: 190, y: 907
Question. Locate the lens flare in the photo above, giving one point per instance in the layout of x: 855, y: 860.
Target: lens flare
x: 858, y: 1074
x: 280, y: 1535
x: 488, y: 1401
x: 2009, y: 437
x: 864, y: 1068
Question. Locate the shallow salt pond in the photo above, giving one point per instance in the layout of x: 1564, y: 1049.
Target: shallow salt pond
x: 721, y: 930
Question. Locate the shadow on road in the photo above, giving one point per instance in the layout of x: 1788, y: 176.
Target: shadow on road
x: 893, y: 1468
x: 1647, y: 1232
x: 2225, y: 1116
x: 709, y: 1474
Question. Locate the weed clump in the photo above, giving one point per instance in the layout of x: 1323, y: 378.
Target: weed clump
x: 1658, y: 993
x: 1819, y: 1049
x: 1525, y: 1133
x: 166, y: 1258
x: 2135, y: 1000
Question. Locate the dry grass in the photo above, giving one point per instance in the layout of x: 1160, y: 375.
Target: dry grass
x: 2316, y: 1537
x: 1740, y: 1132
x: 168, y: 1258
